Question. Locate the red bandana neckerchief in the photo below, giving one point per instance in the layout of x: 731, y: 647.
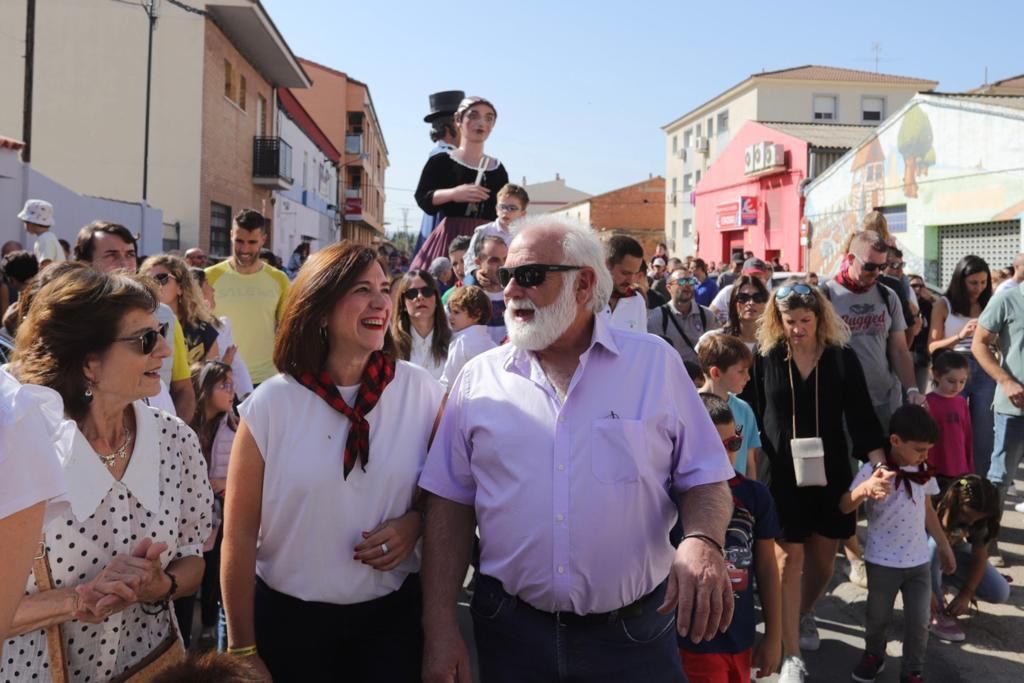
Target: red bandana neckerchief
x: 629, y: 292
x: 380, y: 370
x: 921, y: 476
x: 845, y: 280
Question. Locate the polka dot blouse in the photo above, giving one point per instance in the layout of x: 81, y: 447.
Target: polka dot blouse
x: 165, y: 495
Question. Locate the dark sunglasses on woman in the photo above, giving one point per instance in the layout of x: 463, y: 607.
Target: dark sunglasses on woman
x: 531, y: 274
x: 147, y: 339
x: 798, y: 288
x: 426, y: 292
x: 757, y: 298
x: 162, y: 278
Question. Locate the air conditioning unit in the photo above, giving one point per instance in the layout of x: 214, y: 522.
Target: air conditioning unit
x: 773, y: 155
x: 701, y: 144
x: 748, y: 159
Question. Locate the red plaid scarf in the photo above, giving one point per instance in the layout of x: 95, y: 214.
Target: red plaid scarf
x: 921, y: 476
x: 380, y: 370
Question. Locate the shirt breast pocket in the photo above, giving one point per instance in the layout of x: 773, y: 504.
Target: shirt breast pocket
x: 615, y: 446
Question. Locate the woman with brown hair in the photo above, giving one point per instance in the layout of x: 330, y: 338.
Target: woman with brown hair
x: 808, y: 383
x: 179, y: 291
x: 319, y: 562
x: 140, y: 502
x: 420, y: 327
x: 747, y: 302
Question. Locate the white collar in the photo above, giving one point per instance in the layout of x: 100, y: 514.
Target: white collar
x: 472, y: 331
x: 694, y: 306
x: 89, y: 480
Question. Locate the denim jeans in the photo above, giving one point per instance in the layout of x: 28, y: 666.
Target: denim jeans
x: 517, y: 643
x: 993, y: 587
x: 1006, y: 452
x: 980, y: 393
x: 914, y: 583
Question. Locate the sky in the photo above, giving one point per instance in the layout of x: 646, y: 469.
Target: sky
x: 583, y: 87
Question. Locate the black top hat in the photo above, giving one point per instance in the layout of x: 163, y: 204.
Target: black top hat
x: 444, y: 104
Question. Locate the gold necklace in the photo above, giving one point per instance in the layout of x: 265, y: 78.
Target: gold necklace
x: 121, y: 453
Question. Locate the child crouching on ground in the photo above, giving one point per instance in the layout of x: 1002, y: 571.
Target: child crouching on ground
x: 749, y: 545
x: 469, y: 309
x: 900, y: 518
x: 969, y: 515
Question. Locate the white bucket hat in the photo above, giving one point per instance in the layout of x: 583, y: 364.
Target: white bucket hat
x: 38, y: 212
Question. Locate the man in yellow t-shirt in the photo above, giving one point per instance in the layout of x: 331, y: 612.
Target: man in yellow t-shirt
x: 251, y: 294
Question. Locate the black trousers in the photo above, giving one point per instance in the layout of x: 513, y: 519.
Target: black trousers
x: 306, y: 642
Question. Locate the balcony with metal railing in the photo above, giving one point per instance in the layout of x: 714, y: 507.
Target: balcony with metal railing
x: 272, y: 163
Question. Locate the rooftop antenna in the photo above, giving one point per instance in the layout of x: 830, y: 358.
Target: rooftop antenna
x: 876, y: 47
x: 986, y: 74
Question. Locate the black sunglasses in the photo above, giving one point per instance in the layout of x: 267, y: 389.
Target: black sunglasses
x: 757, y: 298
x: 530, y: 275
x: 870, y: 267
x: 147, y: 339
x: 426, y: 292
x: 798, y: 288
x: 733, y: 443
x: 162, y: 278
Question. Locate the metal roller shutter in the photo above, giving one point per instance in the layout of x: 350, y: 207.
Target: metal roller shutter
x: 998, y: 243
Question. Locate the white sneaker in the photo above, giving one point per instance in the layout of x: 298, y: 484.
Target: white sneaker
x: 858, y: 573
x: 810, y: 640
x: 1019, y: 507
x: 793, y: 670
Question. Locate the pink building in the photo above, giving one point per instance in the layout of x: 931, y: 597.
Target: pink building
x: 750, y: 198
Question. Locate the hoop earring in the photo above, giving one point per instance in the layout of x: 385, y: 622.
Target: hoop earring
x: 323, y: 332
x: 88, y: 395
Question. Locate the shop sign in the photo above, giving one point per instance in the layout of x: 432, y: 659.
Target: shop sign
x: 726, y: 215
x: 354, y: 209
x: 748, y: 210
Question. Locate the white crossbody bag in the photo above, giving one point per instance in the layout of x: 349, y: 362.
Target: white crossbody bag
x: 808, y: 453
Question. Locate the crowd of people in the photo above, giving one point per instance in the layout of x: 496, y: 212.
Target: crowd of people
x: 632, y: 451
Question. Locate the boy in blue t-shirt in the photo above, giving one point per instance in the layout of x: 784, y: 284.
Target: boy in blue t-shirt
x: 749, y: 545
x: 726, y: 362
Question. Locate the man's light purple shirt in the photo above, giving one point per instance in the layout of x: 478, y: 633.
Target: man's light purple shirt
x: 573, y: 500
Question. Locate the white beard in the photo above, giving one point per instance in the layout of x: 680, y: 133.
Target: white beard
x: 548, y: 324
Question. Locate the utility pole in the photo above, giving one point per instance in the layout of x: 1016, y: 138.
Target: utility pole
x: 405, y: 219
x: 150, y: 8
x: 30, y: 49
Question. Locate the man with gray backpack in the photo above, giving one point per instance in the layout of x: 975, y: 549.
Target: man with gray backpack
x: 682, y: 320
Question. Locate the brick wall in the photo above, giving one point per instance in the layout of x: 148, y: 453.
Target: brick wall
x: 228, y: 131
x: 637, y: 211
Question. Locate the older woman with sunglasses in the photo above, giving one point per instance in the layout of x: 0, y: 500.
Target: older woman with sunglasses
x: 420, y: 327
x: 140, y: 502
x: 808, y: 383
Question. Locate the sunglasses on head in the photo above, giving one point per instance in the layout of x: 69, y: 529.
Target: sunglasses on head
x: 162, y: 278
x: 147, y: 339
x: 426, y: 292
x: 868, y: 266
x: 757, y: 298
x: 531, y: 274
x: 798, y: 288
x: 733, y: 443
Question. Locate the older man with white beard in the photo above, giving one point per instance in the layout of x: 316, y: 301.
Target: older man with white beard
x: 575, y: 447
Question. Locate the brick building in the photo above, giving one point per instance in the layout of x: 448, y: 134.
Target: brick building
x: 637, y: 210
x: 212, y: 144
x: 343, y: 108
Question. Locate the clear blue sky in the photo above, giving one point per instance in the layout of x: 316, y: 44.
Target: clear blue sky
x: 582, y: 87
